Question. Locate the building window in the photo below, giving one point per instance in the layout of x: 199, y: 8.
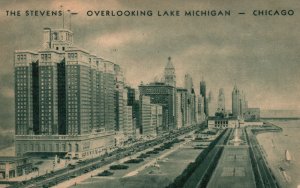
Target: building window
x: 55, y: 36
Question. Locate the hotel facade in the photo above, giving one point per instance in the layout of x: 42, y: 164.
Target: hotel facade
x: 64, y: 99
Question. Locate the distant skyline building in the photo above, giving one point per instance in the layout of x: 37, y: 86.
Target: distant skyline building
x: 119, y: 98
x: 221, y: 101
x: 169, y: 73
x: 211, y: 104
x: 244, y: 104
x: 181, y: 104
x: 200, y: 108
x: 193, y: 107
x: 191, y: 99
x: 236, y: 101
x: 188, y: 82
x: 203, y: 94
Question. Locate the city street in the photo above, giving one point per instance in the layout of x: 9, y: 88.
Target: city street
x: 72, y: 171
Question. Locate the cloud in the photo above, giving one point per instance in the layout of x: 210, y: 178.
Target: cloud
x: 7, y: 92
x: 210, y: 49
x: 118, y: 39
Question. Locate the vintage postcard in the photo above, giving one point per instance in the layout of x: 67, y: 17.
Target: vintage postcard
x: 149, y: 94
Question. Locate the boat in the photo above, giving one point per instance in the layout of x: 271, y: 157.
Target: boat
x: 288, y: 156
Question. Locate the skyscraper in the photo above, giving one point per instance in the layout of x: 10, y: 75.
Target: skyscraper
x: 64, y: 98
x: 236, y: 101
x: 182, y: 107
x: 191, y: 99
x: 203, y: 94
x: 211, y: 104
x: 188, y: 82
x: 243, y: 104
x: 169, y: 74
x: 200, y: 108
x: 221, y: 101
x: 119, y: 98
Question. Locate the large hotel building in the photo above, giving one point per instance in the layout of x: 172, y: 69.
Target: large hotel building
x: 64, y: 99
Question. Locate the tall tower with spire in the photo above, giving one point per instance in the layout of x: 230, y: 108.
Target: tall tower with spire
x: 236, y: 101
x: 170, y: 77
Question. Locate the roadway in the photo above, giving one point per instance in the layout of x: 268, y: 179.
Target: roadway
x: 86, y: 166
x: 265, y: 174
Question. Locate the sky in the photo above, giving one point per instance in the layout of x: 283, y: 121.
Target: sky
x: 258, y: 53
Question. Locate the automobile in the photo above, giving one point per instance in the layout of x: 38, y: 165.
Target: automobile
x: 80, y: 161
x: 71, y: 166
x: 51, y: 184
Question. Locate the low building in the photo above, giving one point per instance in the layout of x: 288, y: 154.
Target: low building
x: 222, y: 122
x: 251, y: 114
x: 11, y: 167
x: 79, y: 146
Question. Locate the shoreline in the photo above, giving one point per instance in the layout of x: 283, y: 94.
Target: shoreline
x: 274, y: 145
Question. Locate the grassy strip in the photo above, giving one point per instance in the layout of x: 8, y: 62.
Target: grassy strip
x: 190, y: 169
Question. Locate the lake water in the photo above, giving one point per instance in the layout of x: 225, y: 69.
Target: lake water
x: 275, y: 145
